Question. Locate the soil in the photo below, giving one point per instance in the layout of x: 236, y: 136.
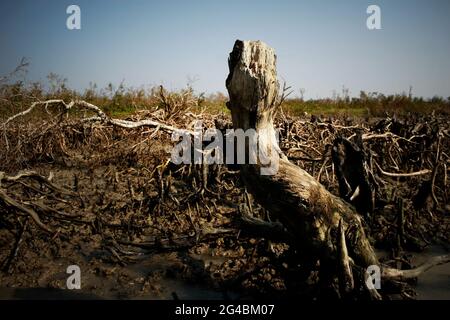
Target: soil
x: 140, y: 227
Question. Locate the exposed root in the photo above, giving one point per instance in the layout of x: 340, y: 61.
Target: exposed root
x: 26, y: 206
x: 10, y: 202
x: 390, y: 273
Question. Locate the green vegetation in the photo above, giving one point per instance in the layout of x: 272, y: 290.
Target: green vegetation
x: 368, y: 105
x: 122, y: 101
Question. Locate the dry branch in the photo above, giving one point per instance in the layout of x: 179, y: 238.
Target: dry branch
x: 37, y: 177
x: 402, y: 175
x: 22, y: 206
x: 101, y: 116
x: 14, y: 204
x: 390, y: 273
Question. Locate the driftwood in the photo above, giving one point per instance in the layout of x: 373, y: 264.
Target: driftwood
x: 325, y: 227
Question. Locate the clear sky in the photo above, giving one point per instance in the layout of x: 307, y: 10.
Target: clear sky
x: 321, y: 45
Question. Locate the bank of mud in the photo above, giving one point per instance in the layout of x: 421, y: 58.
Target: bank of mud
x: 140, y: 227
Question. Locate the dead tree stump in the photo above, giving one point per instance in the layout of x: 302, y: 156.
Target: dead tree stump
x: 353, y: 175
x: 325, y: 227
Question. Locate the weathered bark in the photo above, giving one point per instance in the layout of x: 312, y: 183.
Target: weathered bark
x: 302, y: 204
x: 346, y: 282
x: 324, y: 226
x: 353, y: 175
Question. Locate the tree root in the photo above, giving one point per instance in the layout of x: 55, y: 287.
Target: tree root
x: 21, y: 206
x: 391, y: 273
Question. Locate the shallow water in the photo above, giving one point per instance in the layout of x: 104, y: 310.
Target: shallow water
x: 161, y: 285
x: 435, y: 283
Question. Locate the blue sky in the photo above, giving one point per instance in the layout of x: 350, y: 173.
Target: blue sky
x: 321, y: 45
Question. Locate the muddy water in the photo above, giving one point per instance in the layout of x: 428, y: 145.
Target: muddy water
x: 435, y: 283
x: 152, y: 274
x: 149, y: 279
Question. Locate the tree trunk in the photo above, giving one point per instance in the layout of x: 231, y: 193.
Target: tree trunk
x: 302, y: 204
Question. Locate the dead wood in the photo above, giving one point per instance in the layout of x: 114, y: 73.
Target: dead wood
x: 325, y: 226
x: 353, y: 175
x: 302, y: 204
x: 14, y: 202
x: 100, y: 116
x: 390, y: 273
